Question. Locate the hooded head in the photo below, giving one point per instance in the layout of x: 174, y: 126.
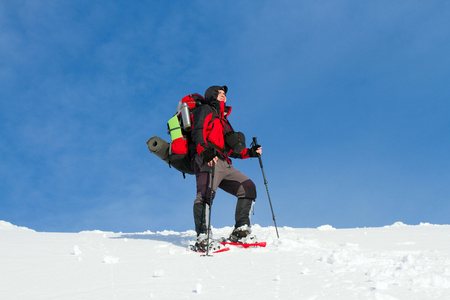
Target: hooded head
x: 212, y: 92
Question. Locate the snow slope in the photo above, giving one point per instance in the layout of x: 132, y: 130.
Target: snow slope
x: 392, y: 262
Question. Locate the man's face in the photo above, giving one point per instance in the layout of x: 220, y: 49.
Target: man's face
x: 222, y: 97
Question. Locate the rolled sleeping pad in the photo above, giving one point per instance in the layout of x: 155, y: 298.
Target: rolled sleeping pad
x: 159, y: 147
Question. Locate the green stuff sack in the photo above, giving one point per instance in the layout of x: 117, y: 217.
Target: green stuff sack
x: 174, y: 128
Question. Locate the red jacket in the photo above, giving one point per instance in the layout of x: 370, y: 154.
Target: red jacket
x: 210, y: 127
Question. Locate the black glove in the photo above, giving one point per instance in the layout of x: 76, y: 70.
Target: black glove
x: 208, y: 155
x: 252, y: 151
x: 236, y: 141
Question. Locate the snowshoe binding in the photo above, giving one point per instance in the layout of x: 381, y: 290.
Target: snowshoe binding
x: 243, y: 238
x: 201, y: 246
x: 242, y: 235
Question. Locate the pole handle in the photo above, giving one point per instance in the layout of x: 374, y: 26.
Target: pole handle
x: 255, y: 142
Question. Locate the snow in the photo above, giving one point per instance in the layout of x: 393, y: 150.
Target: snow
x: 393, y: 262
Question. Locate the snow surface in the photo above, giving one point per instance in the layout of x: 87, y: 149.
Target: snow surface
x: 393, y: 262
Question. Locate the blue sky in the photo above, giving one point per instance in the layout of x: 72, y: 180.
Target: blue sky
x: 349, y: 99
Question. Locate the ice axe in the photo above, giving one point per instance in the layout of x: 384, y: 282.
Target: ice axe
x: 255, y: 142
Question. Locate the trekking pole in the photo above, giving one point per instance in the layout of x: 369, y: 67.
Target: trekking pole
x: 267, y: 189
x: 210, y: 204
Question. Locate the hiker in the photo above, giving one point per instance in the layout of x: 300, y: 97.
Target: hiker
x: 215, y: 141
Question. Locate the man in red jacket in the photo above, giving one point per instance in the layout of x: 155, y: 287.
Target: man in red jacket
x: 215, y: 142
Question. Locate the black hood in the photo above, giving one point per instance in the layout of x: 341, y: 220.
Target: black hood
x: 212, y: 92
